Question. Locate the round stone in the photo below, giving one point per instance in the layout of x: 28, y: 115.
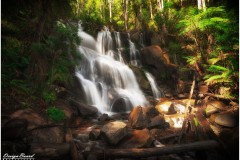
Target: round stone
x: 226, y: 120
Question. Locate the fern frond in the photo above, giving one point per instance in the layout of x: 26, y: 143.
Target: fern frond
x: 213, y: 60
x: 217, y: 68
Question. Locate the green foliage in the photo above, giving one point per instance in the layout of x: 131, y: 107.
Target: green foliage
x: 193, y: 59
x: 218, y: 74
x: 55, y: 114
x: 196, y: 123
x: 49, y: 96
x: 39, y: 50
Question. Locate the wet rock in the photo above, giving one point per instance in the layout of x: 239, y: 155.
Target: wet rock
x: 94, y: 134
x: 149, y: 112
x: 182, y: 96
x: 170, y: 107
x: 156, y: 122
x: 226, y: 119
x: 171, y: 110
x: 82, y: 137
x: 104, y: 117
x: 185, y: 101
x: 120, y: 116
x: 217, y: 104
x: 163, y: 107
x: 179, y: 107
x: 46, y: 135
x: 203, y: 89
x: 142, y: 80
x: 113, y: 132
x: 214, y: 107
x: 136, y: 118
x: 210, y: 110
x: 138, y: 139
x: 34, y: 119
x: 159, y: 61
x: 14, y: 129
x: 120, y: 105
x: 84, y: 109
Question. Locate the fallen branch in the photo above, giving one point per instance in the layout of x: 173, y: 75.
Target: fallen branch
x: 170, y: 136
x: 150, y: 152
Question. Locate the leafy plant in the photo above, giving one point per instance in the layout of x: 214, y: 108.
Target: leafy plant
x: 49, y: 96
x: 55, y: 114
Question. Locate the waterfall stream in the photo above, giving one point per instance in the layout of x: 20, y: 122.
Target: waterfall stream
x: 134, y: 54
x: 103, y: 75
x: 156, y: 92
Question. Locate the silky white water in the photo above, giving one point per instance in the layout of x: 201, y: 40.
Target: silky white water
x: 134, y: 54
x: 104, y: 76
x: 153, y: 84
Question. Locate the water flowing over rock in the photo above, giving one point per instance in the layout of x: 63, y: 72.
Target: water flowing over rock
x: 158, y: 60
x: 134, y: 54
x: 156, y: 92
x: 103, y: 76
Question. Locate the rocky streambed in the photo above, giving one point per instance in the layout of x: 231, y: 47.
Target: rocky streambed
x: 171, y: 129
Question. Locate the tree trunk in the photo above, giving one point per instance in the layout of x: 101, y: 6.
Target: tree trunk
x: 150, y: 6
x: 202, y: 4
x: 150, y: 152
x: 110, y: 10
x: 126, y: 14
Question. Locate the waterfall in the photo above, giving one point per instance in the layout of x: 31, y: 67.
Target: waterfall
x: 104, y: 78
x: 134, y: 54
x: 153, y: 84
x: 135, y: 60
x: 119, y: 46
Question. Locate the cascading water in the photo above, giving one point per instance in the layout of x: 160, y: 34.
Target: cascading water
x: 156, y: 92
x: 134, y: 54
x: 136, y: 61
x: 103, y: 77
x: 119, y: 46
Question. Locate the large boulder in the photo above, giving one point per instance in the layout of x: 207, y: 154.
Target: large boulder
x: 148, y: 113
x: 156, y: 122
x: 136, y: 119
x: 226, y: 119
x: 138, y: 139
x: 163, y: 107
x: 46, y: 135
x: 84, y: 109
x: 33, y: 118
x: 214, y: 107
x: 113, y: 132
